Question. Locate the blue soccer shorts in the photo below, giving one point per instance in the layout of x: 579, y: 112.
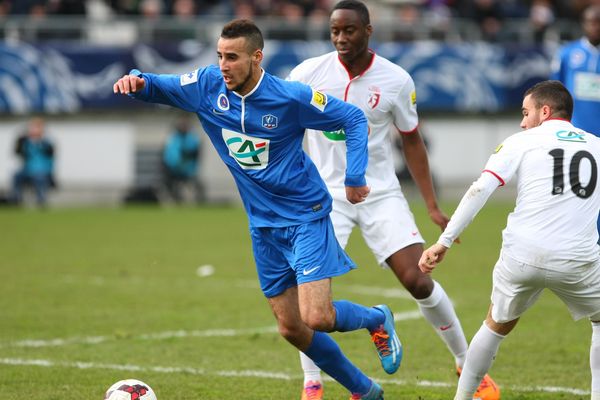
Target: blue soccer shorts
x: 289, y: 256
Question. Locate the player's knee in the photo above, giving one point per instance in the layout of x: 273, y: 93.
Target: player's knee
x: 290, y: 332
x: 319, y: 321
x: 419, y: 287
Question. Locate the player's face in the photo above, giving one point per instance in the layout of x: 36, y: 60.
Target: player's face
x: 591, y: 25
x: 240, y: 69
x: 349, y: 35
x: 532, y: 116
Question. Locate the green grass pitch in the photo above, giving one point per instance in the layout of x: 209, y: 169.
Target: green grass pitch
x: 92, y: 296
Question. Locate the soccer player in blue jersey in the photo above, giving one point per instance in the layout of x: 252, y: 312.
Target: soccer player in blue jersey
x: 577, y: 66
x: 256, y: 123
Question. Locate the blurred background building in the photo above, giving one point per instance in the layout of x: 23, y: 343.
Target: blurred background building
x: 471, y: 61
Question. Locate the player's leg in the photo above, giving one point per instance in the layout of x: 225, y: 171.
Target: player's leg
x: 342, y: 216
x: 578, y: 287
x: 317, y: 256
x: 389, y: 229
x: 516, y: 287
x: 318, y: 345
x: 431, y: 298
x: 595, y: 357
x: 482, y: 352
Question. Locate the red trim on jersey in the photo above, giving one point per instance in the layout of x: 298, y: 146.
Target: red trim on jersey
x: 502, y: 183
x: 356, y: 77
x: 415, y: 130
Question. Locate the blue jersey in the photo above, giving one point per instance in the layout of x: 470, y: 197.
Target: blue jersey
x: 259, y: 137
x: 577, y: 66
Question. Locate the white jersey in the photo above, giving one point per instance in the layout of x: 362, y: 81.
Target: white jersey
x: 386, y: 94
x: 553, y: 224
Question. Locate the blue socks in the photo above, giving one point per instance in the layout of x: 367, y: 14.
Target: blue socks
x: 326, y: 353
x: 351, y: 316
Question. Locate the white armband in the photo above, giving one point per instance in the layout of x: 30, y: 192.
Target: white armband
x: 469, y: 206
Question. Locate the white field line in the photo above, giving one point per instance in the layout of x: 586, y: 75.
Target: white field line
x: 56, y: 342
x: 255, y: 374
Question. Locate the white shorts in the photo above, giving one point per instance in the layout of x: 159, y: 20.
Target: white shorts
x: 384, y: 219
x: 517, y: 286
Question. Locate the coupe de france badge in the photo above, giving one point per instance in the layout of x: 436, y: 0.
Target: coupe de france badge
x: 269, y: 121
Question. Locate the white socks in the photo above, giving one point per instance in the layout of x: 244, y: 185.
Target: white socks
x: 311, y: 371
x: 438, y: 310
x: 595, y: 360
x: 482, y: 352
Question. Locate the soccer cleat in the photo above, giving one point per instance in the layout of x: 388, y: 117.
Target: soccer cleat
x: 374, y: 393
x: 487, y: 390
x: 313, y: 390
x: 387, y: 343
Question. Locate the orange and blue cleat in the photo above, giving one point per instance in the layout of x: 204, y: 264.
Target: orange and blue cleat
x: 313, y: 390
x: 387, y: 343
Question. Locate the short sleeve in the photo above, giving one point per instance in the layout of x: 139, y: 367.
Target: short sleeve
x: 405, y: 108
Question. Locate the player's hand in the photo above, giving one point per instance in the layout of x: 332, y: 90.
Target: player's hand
x: 357, y: 194
x: 129, y: 84
x: 440, y: 219
x: 431, y: 257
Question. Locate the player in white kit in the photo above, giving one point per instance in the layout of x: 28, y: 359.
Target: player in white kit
x: 386, y: 94
x: 550, y: 240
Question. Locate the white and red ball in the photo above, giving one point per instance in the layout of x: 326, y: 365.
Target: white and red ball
x: 130, y: 389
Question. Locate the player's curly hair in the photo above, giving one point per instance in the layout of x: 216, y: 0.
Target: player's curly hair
x: 553, y: 94
x: 357, y: 6
x: 246, y: 29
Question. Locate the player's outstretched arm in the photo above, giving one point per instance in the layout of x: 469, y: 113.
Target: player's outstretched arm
x: 431, y: 257
x: 357, y: 194
x: 129, y: 84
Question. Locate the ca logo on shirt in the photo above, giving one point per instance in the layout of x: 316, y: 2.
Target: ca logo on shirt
x: 249, y: 152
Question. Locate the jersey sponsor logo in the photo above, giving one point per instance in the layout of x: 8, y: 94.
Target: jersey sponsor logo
x: 413, y: 97
x: 586, y: 86
x: 249, y: 152
x: 570, y: 136
x: 336, y: 136
x: 269, y: 121
x: 223, y: 102
x: 188, y: 78
x: 319, y: 100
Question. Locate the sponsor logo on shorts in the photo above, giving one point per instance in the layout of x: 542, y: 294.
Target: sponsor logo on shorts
x: 310, y: 270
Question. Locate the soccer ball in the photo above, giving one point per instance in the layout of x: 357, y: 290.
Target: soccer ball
x: 130, y: 389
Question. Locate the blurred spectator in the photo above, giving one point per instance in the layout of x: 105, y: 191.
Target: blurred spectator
x: 541, y: 16
x: 488, y: 15
x: 151, y: 9
x: 577, y: 67
x: 127, y: 7
x: 181, y: 158
x: 37, y: 155
x: 66, y: 7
